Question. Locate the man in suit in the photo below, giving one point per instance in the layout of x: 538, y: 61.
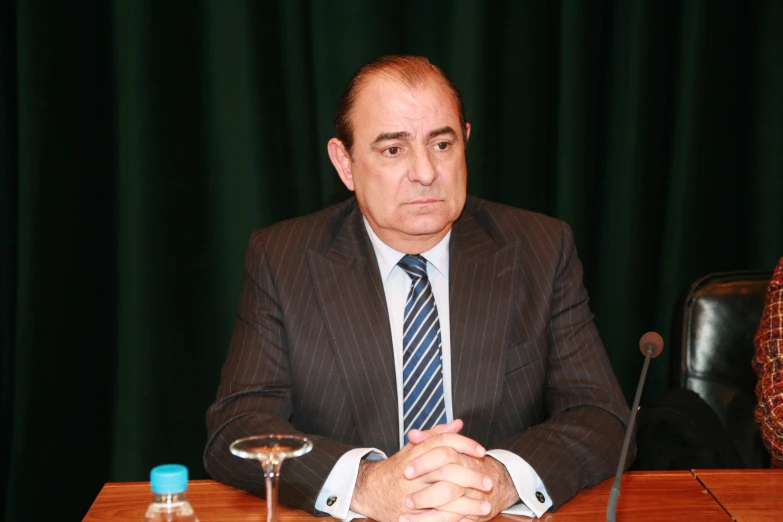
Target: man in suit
x: 517, y: 407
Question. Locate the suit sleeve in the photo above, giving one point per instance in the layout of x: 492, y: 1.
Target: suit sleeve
x: 255, y: 396
x: 578, y: 444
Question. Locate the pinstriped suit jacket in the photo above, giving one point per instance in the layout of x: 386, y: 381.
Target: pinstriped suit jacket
x: 312, y: 351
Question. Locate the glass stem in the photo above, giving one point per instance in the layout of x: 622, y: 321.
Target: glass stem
x: 271, y: 476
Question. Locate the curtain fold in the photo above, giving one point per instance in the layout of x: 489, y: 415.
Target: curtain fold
x: 141, y: 142
x: 8, y: 236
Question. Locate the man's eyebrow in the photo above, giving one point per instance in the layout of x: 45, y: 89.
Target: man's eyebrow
x: 386, y: 136
x: 441, y: 132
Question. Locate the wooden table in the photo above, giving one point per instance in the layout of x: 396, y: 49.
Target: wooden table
x: 212, y: 501
x: 750, y: 494
x: 662, y: 495
x: 645, y: 495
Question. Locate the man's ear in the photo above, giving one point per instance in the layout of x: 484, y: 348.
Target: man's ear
x: 341, y: 159
x: 467, y: 133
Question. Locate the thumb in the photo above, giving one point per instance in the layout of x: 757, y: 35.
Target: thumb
x: 419, y: 436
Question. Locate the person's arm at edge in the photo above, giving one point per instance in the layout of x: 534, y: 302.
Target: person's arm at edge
x: 768, y: 343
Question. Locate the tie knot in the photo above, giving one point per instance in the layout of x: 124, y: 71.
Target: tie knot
x: 415, y: 266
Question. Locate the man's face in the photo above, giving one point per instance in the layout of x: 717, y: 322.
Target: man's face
x: 407, y: 166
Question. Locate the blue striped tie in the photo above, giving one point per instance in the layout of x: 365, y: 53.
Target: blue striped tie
x: 422, y: 373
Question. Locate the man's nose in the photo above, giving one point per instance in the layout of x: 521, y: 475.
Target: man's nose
x: 423, y: 169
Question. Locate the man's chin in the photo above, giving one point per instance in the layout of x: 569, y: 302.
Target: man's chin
x: 422, y: 227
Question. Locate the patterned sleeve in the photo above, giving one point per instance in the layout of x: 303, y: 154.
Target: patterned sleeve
x: 768, y: 364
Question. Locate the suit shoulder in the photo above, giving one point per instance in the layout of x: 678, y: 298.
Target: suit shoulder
x: 296, y: 235
x: 507, y: 223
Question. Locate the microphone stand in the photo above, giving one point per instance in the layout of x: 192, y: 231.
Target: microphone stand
x: 614, y: 492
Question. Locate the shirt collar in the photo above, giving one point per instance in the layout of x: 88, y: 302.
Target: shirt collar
x: 437, y: 256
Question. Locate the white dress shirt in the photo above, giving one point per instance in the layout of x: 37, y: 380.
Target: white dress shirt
x: 336, y: 494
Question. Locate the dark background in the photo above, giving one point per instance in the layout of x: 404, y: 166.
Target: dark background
x: 142, y: 141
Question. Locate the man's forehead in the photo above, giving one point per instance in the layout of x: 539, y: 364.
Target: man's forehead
x: 384, y: 100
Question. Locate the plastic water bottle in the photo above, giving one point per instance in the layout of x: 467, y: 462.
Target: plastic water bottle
x: 169, y: 503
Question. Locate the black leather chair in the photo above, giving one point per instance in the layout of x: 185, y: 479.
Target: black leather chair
x: 712, y: 348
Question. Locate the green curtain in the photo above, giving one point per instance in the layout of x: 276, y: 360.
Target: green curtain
x: 142, y: 141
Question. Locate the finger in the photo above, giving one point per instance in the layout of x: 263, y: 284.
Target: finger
x: 431, y: 460
x: 439, y: 450
x: 462, y: 476
x: 434, y: 495
x: 448, y: 496
x: 416, y: 436
x: 467, y: 506
x: 458, y: 442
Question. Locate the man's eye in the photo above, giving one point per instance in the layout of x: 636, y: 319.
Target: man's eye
x: 393, y: 150
x: 443, y: 145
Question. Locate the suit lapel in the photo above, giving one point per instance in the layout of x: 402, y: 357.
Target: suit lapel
x: 351, y: 298
x: 481, y: 286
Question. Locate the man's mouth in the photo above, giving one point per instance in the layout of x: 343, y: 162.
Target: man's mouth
x: 422, y: 201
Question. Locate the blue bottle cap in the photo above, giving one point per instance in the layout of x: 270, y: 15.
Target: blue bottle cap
x: 169, y: 478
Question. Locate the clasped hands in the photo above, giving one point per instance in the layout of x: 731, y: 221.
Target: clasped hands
x: 440, y: 476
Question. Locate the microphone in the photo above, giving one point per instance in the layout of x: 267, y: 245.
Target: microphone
x: 651, y: 345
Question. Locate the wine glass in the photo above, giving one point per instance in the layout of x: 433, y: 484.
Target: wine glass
x: 271, y: 451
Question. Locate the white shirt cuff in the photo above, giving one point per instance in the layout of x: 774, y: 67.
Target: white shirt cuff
x: 337, y: 492
x: 530, y: 488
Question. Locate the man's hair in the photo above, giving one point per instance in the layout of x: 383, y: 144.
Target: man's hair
x: 411, y: 71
